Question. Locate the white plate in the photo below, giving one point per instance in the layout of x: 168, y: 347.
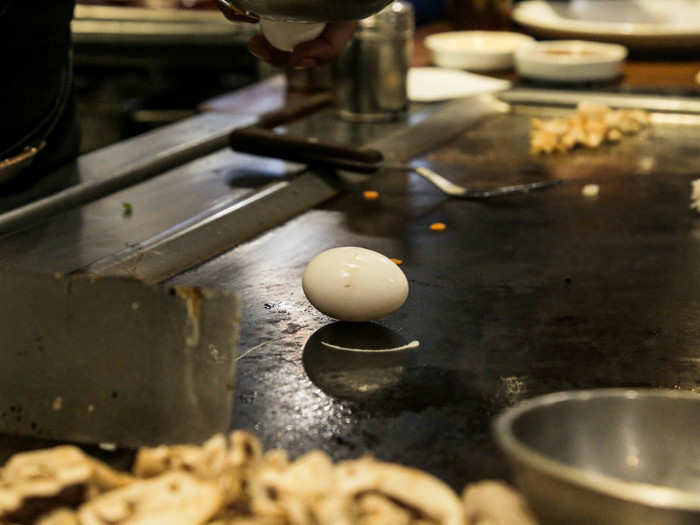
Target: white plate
x: 475, y: 50
x: 433, y: 84
x: 570, y: 61
x: 640, y: 24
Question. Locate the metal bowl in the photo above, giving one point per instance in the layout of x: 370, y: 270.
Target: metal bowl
x: 308, y: 10
x: 607, y: 457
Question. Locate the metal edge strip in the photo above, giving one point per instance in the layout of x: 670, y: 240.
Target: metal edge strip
x: 199, y: 240
x: 160, y: 258
x: 548, y: 97
x: 136, y: 171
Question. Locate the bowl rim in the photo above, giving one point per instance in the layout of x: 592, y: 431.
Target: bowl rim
x: 432, y: 42
x: 607, y: 53
x: 648, y: 494
x: 310, y: 12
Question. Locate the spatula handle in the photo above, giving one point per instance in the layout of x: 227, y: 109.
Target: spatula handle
x: 266, y: 143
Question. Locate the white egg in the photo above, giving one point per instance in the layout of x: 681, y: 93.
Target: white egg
x: 285, y: 36
x: 354, y: 284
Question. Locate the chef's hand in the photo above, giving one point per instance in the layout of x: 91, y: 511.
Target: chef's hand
x: 327, y: 46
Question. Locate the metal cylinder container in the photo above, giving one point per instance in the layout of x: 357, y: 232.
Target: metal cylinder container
x: 370, y: 77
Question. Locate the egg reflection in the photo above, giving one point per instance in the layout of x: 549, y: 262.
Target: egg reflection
x: 357, y: 376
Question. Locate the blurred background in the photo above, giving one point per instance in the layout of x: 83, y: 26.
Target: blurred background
x: 145, y: 63
x: 141, y: 64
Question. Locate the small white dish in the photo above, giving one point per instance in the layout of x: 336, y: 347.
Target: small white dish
x: 476, y: 50
x: 570, y: 61
x: 434, y: 84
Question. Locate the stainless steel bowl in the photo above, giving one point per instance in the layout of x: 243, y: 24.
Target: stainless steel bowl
x: 309, y: 10
x: 607, y: 457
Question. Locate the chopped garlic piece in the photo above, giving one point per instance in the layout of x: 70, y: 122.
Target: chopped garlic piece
x: 590, y: 190
x: 695, y: 196
x: 591, y: 126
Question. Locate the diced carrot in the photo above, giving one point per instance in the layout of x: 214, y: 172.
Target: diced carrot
x: 397, y: 261
x: 370, y: 195
x: 438, y: 226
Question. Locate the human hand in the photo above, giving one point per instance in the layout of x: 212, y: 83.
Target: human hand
x: 329, y: 44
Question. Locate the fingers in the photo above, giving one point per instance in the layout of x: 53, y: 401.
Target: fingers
x: 262, y: 49
x: 324, y: 48
x: 308, y: 54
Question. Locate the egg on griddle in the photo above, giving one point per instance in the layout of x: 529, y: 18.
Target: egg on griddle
x: 354, y: 284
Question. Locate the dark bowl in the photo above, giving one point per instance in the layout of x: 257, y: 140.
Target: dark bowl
x: 309, y: 10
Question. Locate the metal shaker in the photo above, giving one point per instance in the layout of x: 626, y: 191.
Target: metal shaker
x: 370, y: 77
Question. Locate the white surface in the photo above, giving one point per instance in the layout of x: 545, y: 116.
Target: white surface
x: 579, y: 61
x: 434, y: 84
x: 646, y: 21
x: 475, y: 50
x: 354, y: 284
x: 285, y: 36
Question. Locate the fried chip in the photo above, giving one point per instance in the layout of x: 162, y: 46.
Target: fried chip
x: 175, y: 498
x: 591, y: 126
x: 495, y: 503
x: 37, y: 482
x: 232, y: 481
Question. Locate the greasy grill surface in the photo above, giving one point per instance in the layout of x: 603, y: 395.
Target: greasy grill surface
x: 519, y: 296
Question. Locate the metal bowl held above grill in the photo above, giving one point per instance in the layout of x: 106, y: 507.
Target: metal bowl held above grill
x: 308, y: 10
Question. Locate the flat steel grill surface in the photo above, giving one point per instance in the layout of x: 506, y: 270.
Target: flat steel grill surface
x: 518, y: 296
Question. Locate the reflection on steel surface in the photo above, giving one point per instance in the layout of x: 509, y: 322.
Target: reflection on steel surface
x: 115, y: 25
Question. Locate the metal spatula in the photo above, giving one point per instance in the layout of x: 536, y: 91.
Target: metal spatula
x: 112, y: 360
x: 266, y: 143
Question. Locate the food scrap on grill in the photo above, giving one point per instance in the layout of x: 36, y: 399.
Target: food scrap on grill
x: 231, y: 480
x: 494, y: 502
x: 34, y: 483
x: 591, y: 126
x: 590, y: 190
x: 175, y: 497
x: 695, y: 195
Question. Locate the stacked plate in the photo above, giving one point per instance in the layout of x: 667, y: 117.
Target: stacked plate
x: 637, y: 24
